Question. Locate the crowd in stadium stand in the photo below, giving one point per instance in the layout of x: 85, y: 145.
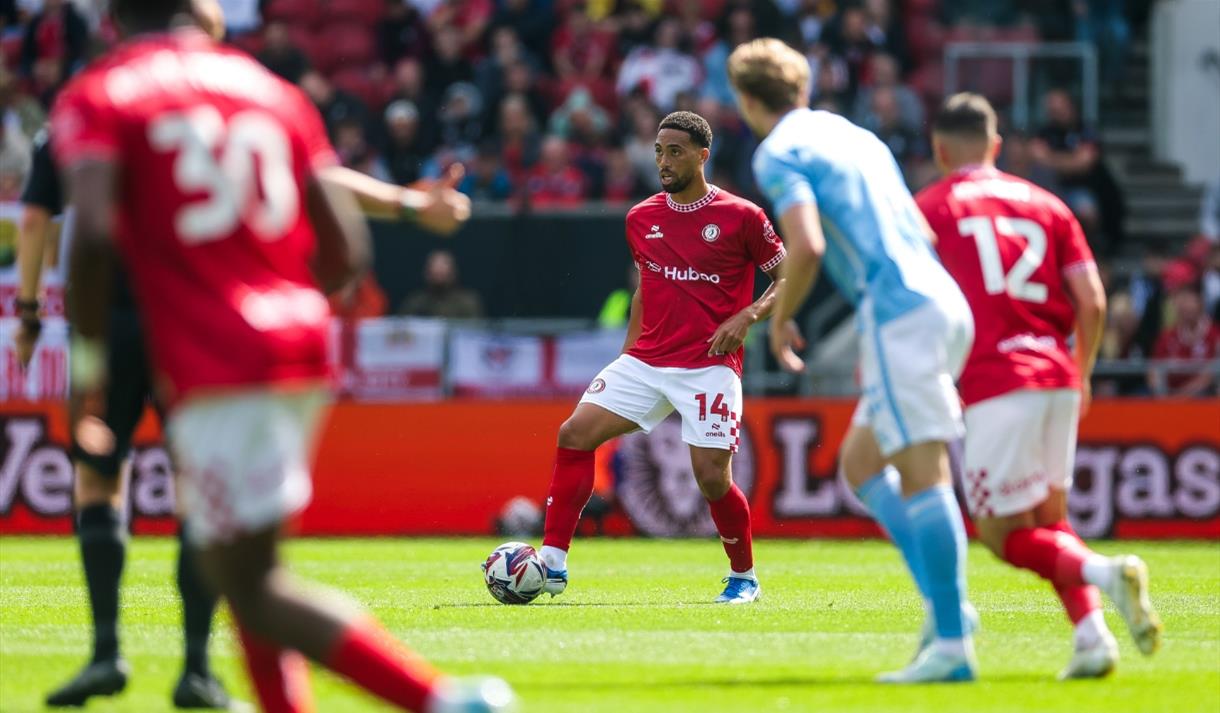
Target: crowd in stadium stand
x: 553, y: 103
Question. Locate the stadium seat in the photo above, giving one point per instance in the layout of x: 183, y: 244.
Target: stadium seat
x: 355, y: 80
x: 250, y: 42
x: 925, y: 38
x: 344, y: 45
x: 294, y: 12
x: 365, y: 12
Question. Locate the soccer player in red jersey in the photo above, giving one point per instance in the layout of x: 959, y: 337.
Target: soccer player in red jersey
x: 204, y: 169
x: 696, y: 247
x: 1021, y: 259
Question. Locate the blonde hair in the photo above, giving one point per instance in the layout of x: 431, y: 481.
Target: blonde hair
x: 771, y: 72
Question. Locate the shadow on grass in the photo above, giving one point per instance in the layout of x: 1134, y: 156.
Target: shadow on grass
x: 577, y: 605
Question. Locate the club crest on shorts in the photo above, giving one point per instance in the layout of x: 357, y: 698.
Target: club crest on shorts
x: 598, y: 386
x: 711, y: 232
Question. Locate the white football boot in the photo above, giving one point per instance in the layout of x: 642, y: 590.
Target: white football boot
x: 473, y: 695
x: 1096, y: 660
x: 933, y: 665
x: 1129, y: 591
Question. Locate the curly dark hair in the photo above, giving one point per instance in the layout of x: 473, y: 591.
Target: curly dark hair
x: 694, y: 125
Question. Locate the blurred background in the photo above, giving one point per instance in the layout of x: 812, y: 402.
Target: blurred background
x: 552, y: 107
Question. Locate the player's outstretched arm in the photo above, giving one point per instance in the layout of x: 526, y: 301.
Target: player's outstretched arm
x: 31, y: 248
x: 344, y: 247
x: 806, y: 245
x: 440, y: 209
x: 732, y: 334
x: 1089, y: 297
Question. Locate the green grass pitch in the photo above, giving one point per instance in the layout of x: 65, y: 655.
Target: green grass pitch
x: 635, y: 631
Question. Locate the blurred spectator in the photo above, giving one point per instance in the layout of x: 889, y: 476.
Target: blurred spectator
x: 405, y: 152
x: 468, y: 18
x: 1119, y: 342
x: 555, y: 180
x: 8, y: 15
x: 519, y: 136
x: 830, y: 76
x: 356, y: 151
x: 1071, y: 149
x: 441, y: 295
x: 579, y: 118
x: 402, y: 33
x: 979, y: 12
x: 640, y: 146
x: 662, y: 70
x: 19, y: 112
x: 1191, y: 336
x: 1209, y: 212
x: 335, y: 105
x: 447, y: 65
x: 733, y: 147
x: 280, y: 55
x: 739, y: 29
x: 241, y: 15
x: 884, y: 73
x: 620, y: 183
x: 601, y: 9
x: 768, y: 20
x: 531, y: 20
x: 885, y: 120
x: 697, y: 28
x: 1102, y: 23
x: 885, y: 30
x: 848, y: 36
x: 1211, y: 283
x: 461, y: 117
x: 54, y: 42
x: 616, y: 310
x: 487, y: 179
x: 408, y: 84
x: 1017, y: 158
x: 424, y: 7
x: 809, y: 18
x: 491, y: 73
x: 580, y: 50
x: 635, y: 24
x: 14, y: 163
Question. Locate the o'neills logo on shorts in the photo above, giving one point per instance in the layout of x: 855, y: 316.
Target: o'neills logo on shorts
x: 598, y: 386
x: 690, y: 274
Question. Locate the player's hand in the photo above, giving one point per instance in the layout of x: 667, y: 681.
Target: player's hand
x: 443, y: 208
x: 26, y: 341
x: 786, y: 339
x: 731, y: 335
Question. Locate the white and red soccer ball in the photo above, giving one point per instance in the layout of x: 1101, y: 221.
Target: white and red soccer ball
x: 514, y: 573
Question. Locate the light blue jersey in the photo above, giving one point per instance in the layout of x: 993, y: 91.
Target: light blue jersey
x: 877, y: 248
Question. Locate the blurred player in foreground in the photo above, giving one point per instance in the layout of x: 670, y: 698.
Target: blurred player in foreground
x: 696, y: 248
x: 99, y: 485
x: 1021, y: 258
x: 839, y: 195
x: 205, y: 170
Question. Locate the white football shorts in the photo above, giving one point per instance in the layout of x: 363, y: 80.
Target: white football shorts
x: 908, y: 367
x: 1019, y: 446
x: 707, y: 399
x: 245, y: 459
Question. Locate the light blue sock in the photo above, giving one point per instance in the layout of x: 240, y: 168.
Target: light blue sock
x: 882, y: 494
x: 940, y: 538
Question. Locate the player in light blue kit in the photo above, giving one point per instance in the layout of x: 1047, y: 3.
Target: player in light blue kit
x: 841, y: 200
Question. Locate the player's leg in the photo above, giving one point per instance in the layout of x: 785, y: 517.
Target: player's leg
x: 710, y: 403
x: 914, y: 412
x: 237, y: 495
x: 100, y: 498
x: 1051, y: 548
x: 102, y: 534
x: 197, y: 687
x: 620, y: 400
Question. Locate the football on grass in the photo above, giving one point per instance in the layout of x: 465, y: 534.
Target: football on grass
x: 514, y: 573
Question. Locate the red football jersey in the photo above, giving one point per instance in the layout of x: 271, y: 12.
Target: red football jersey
x: 1009, y: 244
x: 696, y: 265
x: 213, y: 152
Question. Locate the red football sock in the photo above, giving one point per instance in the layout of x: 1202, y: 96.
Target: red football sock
x: 1053, y: 555
x: 571, y: 487
x: 280, y: 677
x: 731, y: 514
x: 1079, y: 600
x: 375, y: 661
